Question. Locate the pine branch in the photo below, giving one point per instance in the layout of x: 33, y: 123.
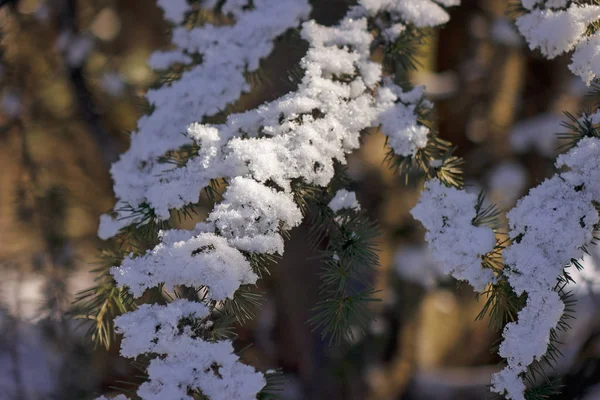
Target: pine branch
x: 336, y: 316
x: 501, y: 305
x: 100, y: 304
x: 242, y: 307
x: 435, y: 160
x: 403, y: 54
x: 545, y: 391
x: 489, y: 215
x: 578, y: 128
x: 349, y: 259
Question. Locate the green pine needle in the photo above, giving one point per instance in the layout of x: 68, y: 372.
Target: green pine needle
x: 545, y: 391
x: 403, y: 53
x: 336, y: 316
x: 486, y: 216
x: 100, y: 304
x: 578, y: 128
x: 426, y: 160
x: 243, y: 305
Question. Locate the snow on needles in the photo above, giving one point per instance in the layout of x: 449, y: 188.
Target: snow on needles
x: 202, y: 260
x: 531, y: 4
x: 167, y: 330
x: 297, y: 141
x: 421, y: 13
x: 261, y: 153
x: 344, y: 199
x: 549, y: 227
x: 174, y: 10
x: 555, y: 30
x: 586, y: 59
x: 203, y: 90
x: 447, y: 214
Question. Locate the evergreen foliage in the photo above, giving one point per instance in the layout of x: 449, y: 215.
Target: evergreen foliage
x: 345, y: 239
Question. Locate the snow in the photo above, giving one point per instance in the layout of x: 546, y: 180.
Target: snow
x: 203, y: 90
x: 400, y: 122
x: 155, y: 328
x: 300, y: 136
x: 251, y: 216
x: 530, y: 4
x: 297, y: 144
x: 344, y: 199
x: 458, y: 245
x: 260, y: 154
x: 556, y: 32
x: 548, y: 228
x: 421, y: 13
x: 586, y: 59
x: 393, y: 32
x: 582, y: 162
x: 202, y: 260
x: 552, y: 224
x: 211, y: 367
x: 189, y: 363
x: 556, y: 29
x: 174, y: 10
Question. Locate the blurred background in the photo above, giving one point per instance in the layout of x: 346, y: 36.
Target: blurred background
x: 72, y: 78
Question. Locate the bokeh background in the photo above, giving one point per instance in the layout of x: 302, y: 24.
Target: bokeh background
x: 72, y: 78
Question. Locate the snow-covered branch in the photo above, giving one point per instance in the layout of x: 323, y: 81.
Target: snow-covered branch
x: 554, y: 29
x: 549, y: 227
x: 261, y: 153
x: 454, y: 240
x: 203, y: 90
